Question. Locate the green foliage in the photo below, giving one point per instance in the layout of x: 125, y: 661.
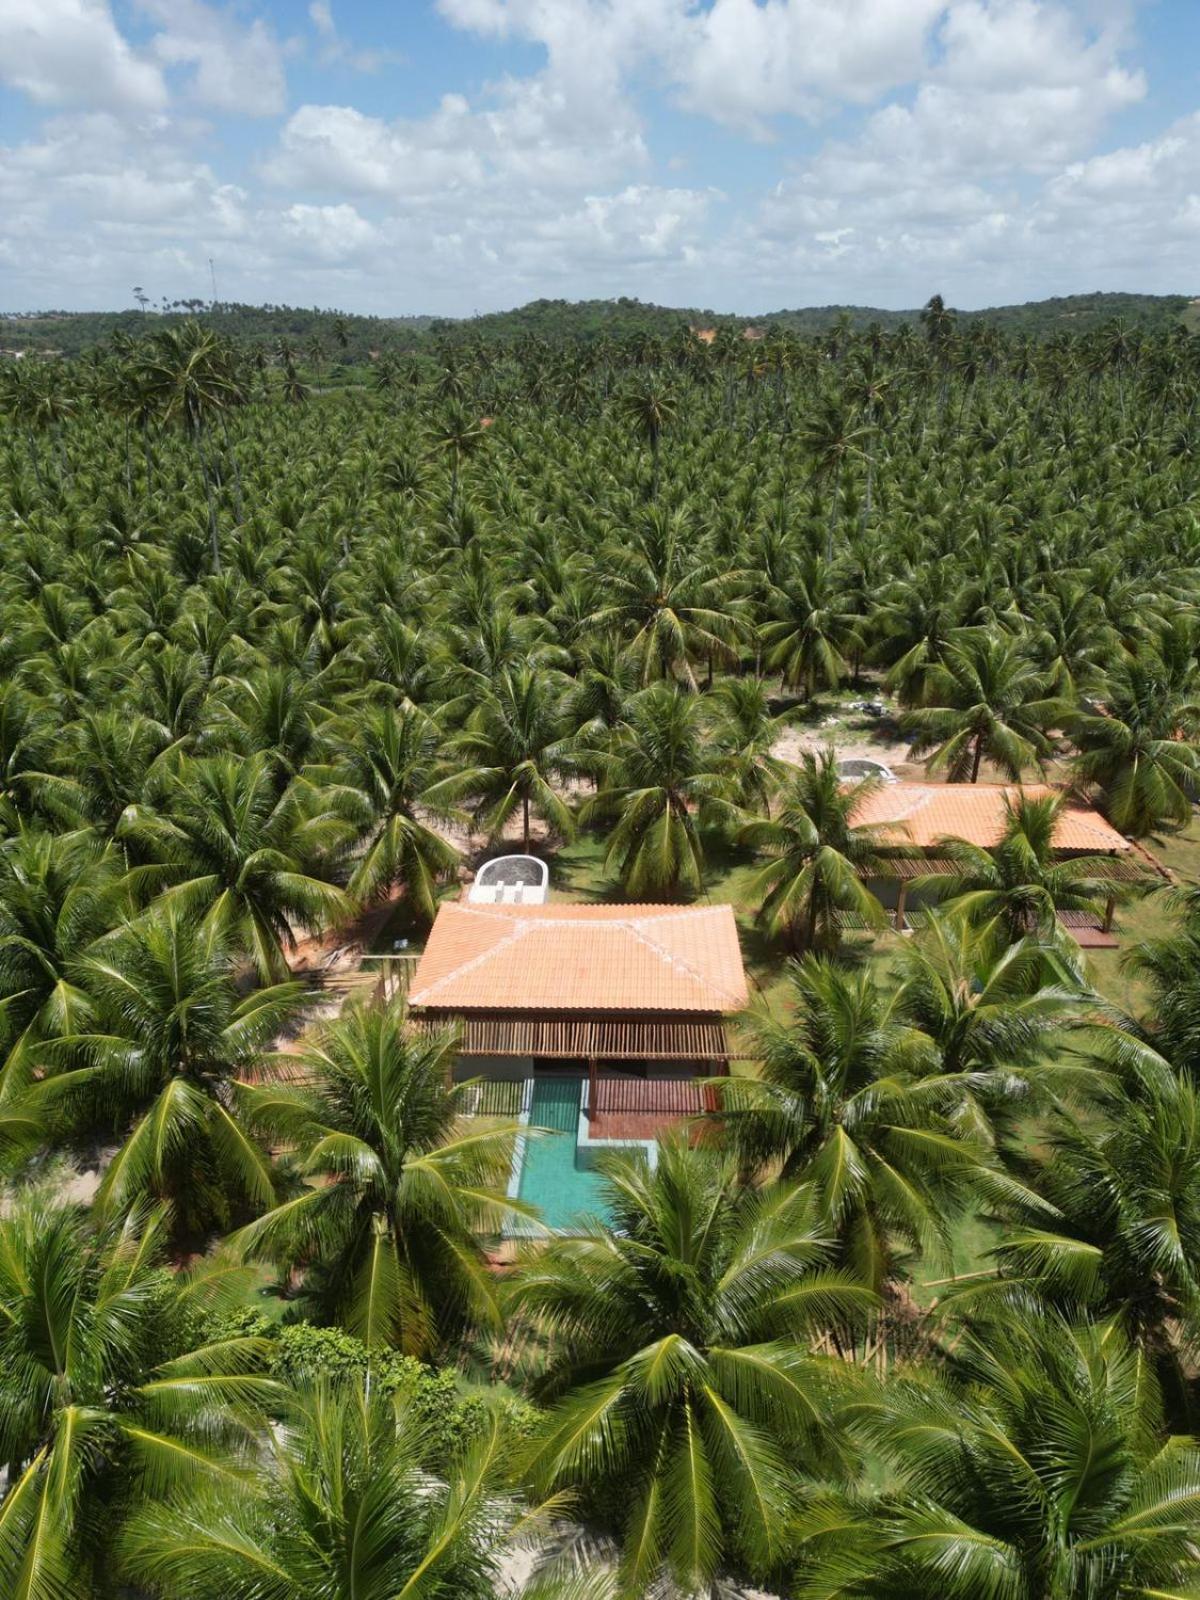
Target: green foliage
x: 273, y: 657
x: 450, y: 1414
x: 399, y: 1188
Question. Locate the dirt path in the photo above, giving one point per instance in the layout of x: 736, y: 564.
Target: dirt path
x: 851, y: 743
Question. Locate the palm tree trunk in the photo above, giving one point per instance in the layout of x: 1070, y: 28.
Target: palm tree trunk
x: 810, y: 937
x: 237, y: 472
x: 149, y: 457
x: 35, y: 458
x: 833, y: 510
x: 866, y: 516
x: 525, y: 822
x: 978, y: 758
x: 213, y: 540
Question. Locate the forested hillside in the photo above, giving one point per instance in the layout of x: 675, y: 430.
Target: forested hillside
x: 322, y: 340
x: 913, y: 1309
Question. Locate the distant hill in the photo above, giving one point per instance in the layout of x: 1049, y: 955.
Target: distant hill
x: 352, y: 340
x: 590, y: 319
x: 72, y: 332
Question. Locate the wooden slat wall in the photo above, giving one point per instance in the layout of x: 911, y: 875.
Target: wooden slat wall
x: 580, y: 1038
x: 681, y: 1096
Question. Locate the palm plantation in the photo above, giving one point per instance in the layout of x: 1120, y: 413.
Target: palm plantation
x: 912, y: 1308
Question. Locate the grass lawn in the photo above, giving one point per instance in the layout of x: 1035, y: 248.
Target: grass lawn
x: 1147, y: 918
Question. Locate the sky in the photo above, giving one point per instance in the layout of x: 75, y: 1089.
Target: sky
x: 460, y: 156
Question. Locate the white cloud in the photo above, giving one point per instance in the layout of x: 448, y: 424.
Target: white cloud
x: 532, y: 131
x: 741, y: 62
x: 71, y: 53
x: 944, y: 183
x: 1134, y: 205
x: 639, y: 224
x: 335, y: 50
x: 329, y: 233
x: 235, y: 68
x: 338, y: 149
x: 112, y: 203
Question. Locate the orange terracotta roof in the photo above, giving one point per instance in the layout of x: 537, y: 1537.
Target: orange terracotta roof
x: 581, y: 958
x: 923, y: 813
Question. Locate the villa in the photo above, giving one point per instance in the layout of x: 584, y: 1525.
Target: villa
x: 915, y: 818
x: 598, y: 1021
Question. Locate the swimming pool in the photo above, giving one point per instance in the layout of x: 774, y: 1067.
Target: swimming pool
x: 553, y: 1176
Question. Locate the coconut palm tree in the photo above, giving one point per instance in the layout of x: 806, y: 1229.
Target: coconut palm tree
x: 986, y: 698
x: 1039, y: 1466
x: 167, y: 1036
x: 917, y: 620
x: 849, y: 1098
x: 658, y: 786
x: 817, y: 854
x: 457, y: 433
x: 744, y: 731
x: 514, y: 748
x: 832, y: 438
x: 26, y: 756
x: 186, y: 374
x: 808, y: 632
x: 340, y: 1504
x: 385, y: 765
x: 1136, y: 745
x: 651, y: 408
x: 999, y: 1014
x: 1114, y: 1231
x: 683, y: 1394
x: 57, y: 895
x: 1170, y: 966
x: 106, y: 1394
x: 250, y: 864
x: 672, y: 606
x: 1021, y: 882
x: 399, y: 1183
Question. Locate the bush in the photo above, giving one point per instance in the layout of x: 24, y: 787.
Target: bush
x: 452, y: 1418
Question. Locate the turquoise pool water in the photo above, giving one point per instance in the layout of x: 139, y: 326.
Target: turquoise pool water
x: 564, y: 1192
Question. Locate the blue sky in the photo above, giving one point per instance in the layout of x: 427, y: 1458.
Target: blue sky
x: 452, y: 156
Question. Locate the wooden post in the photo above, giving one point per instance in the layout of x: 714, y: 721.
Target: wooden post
x: 1110, y: 905
x: 591, y: 1088
x: 902, y: 891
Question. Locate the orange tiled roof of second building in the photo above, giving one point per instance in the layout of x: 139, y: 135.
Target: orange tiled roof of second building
x: 922, y: 813
x: 581, y: 958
